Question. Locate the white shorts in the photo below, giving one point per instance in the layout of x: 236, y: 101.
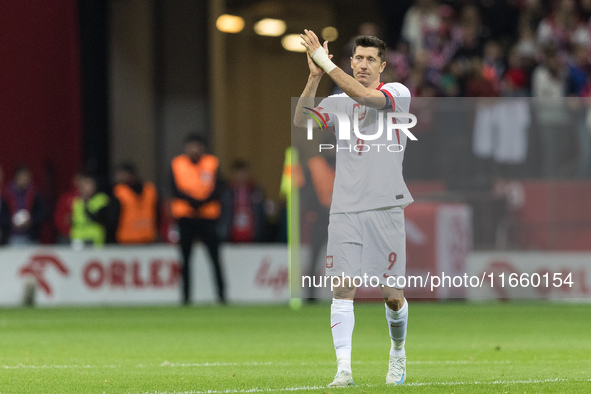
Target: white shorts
x: 371, y: 243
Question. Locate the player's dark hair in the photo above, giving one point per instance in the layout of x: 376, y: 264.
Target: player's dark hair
x: 371, y: 42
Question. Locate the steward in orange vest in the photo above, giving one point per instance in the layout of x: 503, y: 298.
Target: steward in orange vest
x: 197, y: 190
x: 194, y: 187
x: 138, y: 207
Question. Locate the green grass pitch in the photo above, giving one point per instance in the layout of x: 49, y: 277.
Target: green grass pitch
x: 451, y: 347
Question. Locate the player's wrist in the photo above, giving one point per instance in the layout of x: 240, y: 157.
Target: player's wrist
x: 321, y: 58
x: 314, y: 78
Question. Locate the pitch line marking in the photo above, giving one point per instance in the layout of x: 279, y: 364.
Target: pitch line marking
x: 269, y: 363
x: 24, y: 366
x: 300, y: 388
x: 244, y: 364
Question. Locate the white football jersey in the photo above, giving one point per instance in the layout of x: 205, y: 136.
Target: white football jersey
x: 369, y: 172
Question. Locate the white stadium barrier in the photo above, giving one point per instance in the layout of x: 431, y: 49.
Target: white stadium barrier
x: 533, y: 275
x: 255, y: 274
x: 147, y: 275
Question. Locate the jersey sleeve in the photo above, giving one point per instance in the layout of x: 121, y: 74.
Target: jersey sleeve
x: 399, y: 96
x: 324, y: 108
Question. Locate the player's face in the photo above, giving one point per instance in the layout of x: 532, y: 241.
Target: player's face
x: 367, y: 66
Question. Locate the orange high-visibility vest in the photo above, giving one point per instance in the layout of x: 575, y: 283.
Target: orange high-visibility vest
x: 137, y: 218
x: 198, y: 181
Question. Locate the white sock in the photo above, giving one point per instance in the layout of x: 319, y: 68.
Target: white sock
x: 397, y: 321
x: 342, y: 321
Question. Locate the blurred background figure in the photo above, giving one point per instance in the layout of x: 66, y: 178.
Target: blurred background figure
x: 135, y: 207
x: 62, y: 217
x: 4, y: 214
x: 563, y: 27
x: 90, y: 214
x: 549, y: 83
x: 244, y: 206
x: 421, y: 25
x: 319, y: 173
x: 26, y: 208
x: 514, y: 82
x: 196, y: 190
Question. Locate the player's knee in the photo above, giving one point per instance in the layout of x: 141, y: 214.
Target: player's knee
x: 344, y: 292
x: 394, y: 303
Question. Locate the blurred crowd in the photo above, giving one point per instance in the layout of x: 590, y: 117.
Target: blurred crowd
x: 508, y: 50
x: 490, y: 48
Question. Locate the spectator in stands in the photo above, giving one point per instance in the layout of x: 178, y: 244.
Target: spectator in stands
x: 530, y: 15
x: 515, y: 80
x: 472, y: 34
x: 422, y: 73
x: 563, y: 27
x: 197, y: 189
x: 551, y: 115
x: 449, y: 38
x: 4, y: 214
x: 26, y: 208
x: 244, y: 209
x: 135, y: 207
x: 90, y: 214
x: 477, y: 85
x: 421, y: 24
x: 549, y: 78
x: 451, y: 79
x: 492, y: 65
x: 62, y: 216
x: 399, y: 61
x: 579, y: 71
x: 579, y: 84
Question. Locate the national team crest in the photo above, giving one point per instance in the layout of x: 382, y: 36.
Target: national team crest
x: 328, y: 261
x: 362, y: 111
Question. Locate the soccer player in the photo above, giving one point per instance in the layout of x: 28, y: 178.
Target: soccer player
x: 366, y: 230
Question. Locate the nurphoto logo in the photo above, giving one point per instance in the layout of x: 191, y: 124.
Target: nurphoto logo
x: 344, y: 129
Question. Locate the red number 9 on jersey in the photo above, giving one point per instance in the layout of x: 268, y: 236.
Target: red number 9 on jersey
x: 392, y: 259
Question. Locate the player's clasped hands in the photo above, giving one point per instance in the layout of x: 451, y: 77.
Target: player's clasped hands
x: 311, y: 42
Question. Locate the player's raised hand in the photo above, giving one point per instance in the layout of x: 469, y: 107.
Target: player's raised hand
x: 315, y: 70
x: 311, y: 43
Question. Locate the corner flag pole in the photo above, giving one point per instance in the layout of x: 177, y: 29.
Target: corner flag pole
x: 290, y: 184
